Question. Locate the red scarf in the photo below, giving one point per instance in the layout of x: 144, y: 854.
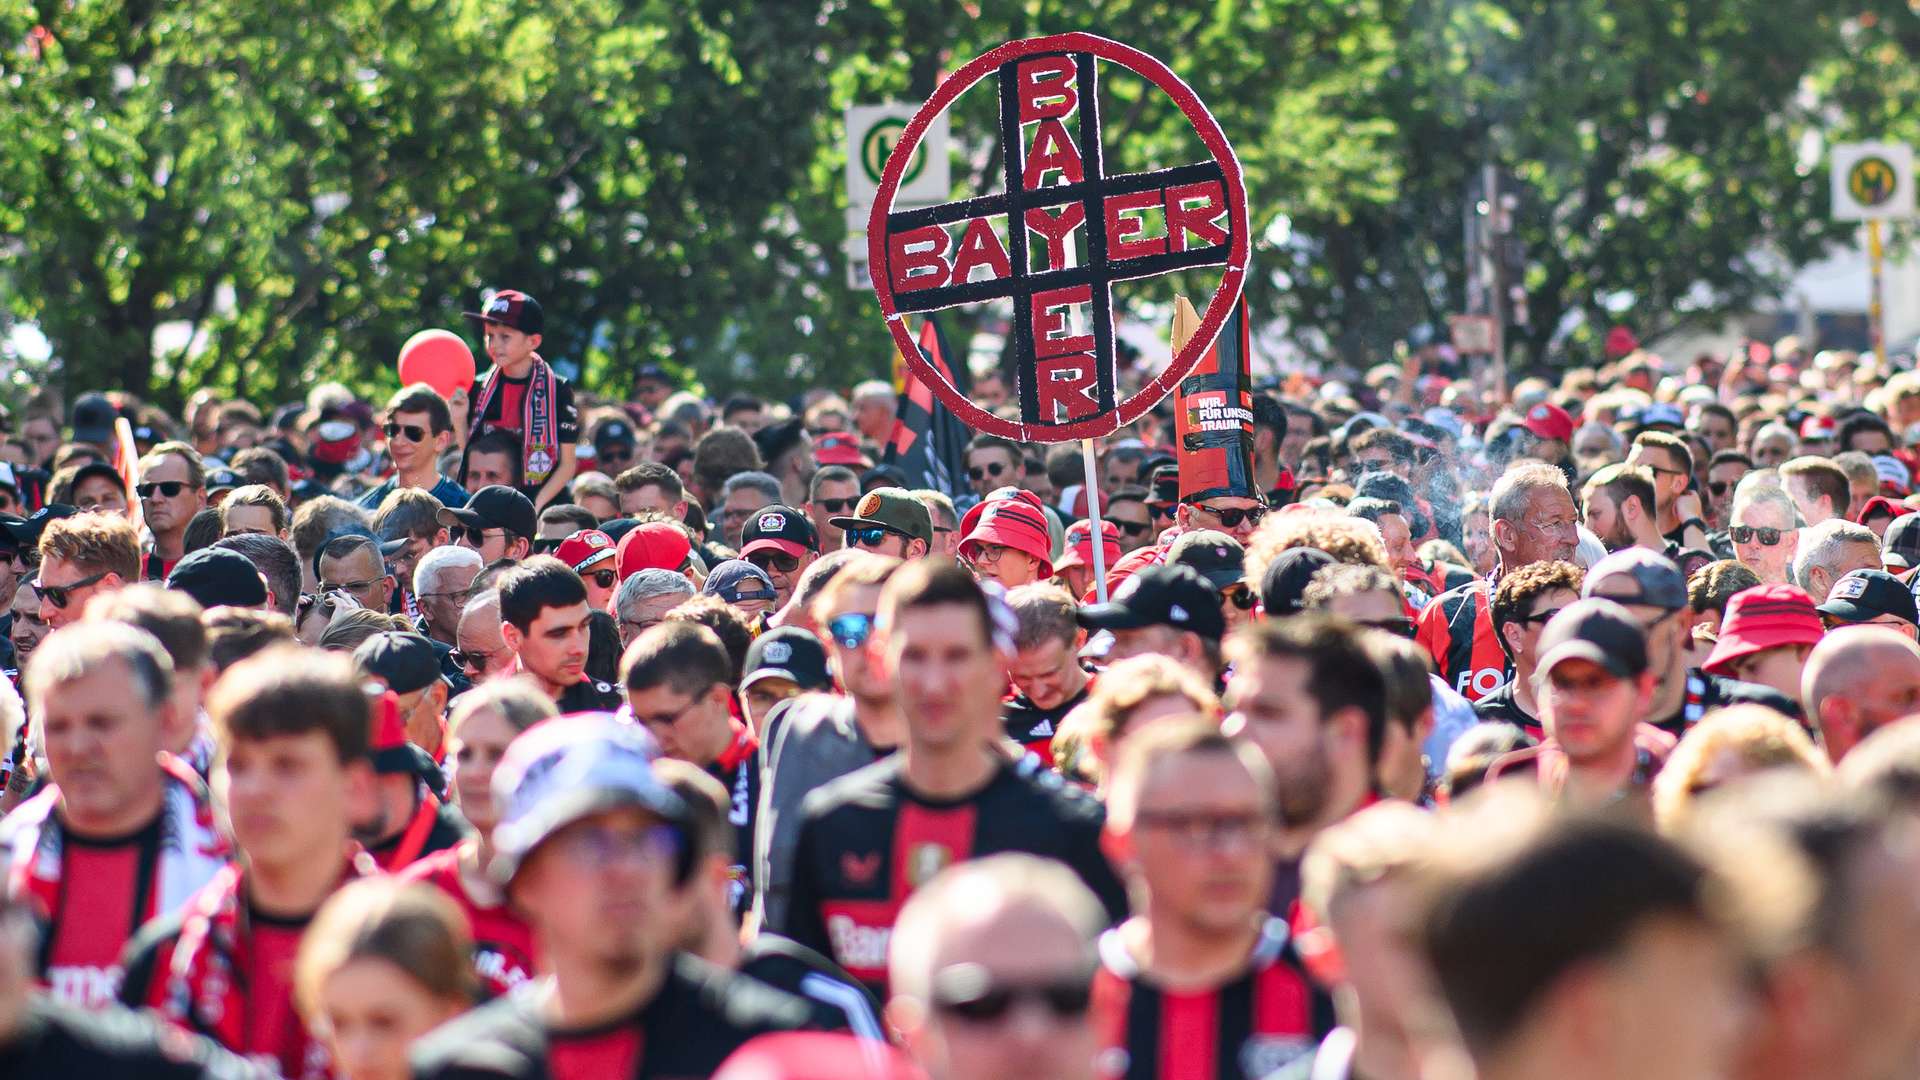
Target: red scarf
x: 204, y: 987
x: 539, y: 420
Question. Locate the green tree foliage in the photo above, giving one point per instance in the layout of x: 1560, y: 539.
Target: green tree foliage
x: 303, y: 188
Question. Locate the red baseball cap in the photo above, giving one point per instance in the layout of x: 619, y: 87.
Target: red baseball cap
x: 839, y: 448
x: 1549, y: 421
x: 1761, y: 618
x: 653, y: 545
x: 1013, y: 523
x: 585, y: 548
x: 1080, y: 545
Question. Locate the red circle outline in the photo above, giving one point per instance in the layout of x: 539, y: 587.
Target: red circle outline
x: 1231, y: 279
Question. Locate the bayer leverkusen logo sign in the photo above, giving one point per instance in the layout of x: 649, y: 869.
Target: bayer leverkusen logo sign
x: 1058, y: 198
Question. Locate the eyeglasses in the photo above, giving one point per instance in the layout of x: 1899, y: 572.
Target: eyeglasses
x: 850, y: 630
x: 1202, y: 829
x: 1718, y: 487
x: 605, y: 579
x: 597, y: 848
x: 62, y: 595
x: 351, y: 586
x: 1398, y: 625
x: 1232, y: 518
x: 674, y: 717
x: 461, y: 595
x: 411, y: 432
x: 1241, y: 595
x: 977, y: 473
x: 546, y: 547
x: 473, y: 659
x: 167, y: 489
x: 471, y: 535
x: 1541, y: 617
x: 870, y: 536
x: 774, y: 560
x: 1131, y: 528
x: 634, y: 627
x: 985, y: 554
x: 1160, y: 510
x: 1747, y: 534
x: 836, y: 506
x: 967, y: 993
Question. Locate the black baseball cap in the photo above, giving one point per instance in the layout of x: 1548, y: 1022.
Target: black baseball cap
x: 790, y: 653
x: 1648, y: 578
x: 614, y: 433
x: 652, y: 373
x: 1596, y: 630
x: 1218, y: 557
x: 93, y: 417
x: 1283, y: 587
x: 1865, y: 595
x: 26, y: 531
x: 404, y: 661
x: 1165, y: 595
x: 513, y: 309
x: 219, y: 576
x: 1164, y: 483
x: 779, y: 528
x: 1901, y: 547
x: 776, y: 439
x: 495, y: 506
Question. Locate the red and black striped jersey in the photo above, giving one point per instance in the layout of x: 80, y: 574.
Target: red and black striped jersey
x: 1245, y: 1029
x: 1456, y: 629
x: 867, y: 841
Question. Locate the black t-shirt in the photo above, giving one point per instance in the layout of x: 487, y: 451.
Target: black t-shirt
x: 1708, y: 692
x: 59, y: 1042
x: 589, y: 695
x: 1500, y: 706
x: 867, y: 842
x: 841, y: 1002
x: 700, y: 1016
x: 739, y: 773
x: 513, y: 391
x: 1033, y: 727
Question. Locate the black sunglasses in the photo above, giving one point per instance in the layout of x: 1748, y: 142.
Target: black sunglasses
x: 61, y: 595
x: 837, y: 506
x: 1540, y: 617
x: 471, y: 659
x: 1241, y: 594
x: 1718, y: 487
x: 615, y: 452
x: 605, y: 579
x: 1161, y: 510
x: 412, y: 432
x: 1399, y: 625
x: 168, y: 489
x: 978, y: 472
x: 473, y: 534
x: 1131, y: 528
x: 1233, y: 517
x: 1746, y: 534
x: 546, y: 547
x: 967, y: 993
x: 777, y: 560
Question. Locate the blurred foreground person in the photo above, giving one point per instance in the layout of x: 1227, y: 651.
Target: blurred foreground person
x: 382, y: 965
x: 992, y: 972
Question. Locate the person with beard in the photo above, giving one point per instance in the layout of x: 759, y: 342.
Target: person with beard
x: 1593, y: 683
x: 1203, y: 972
x: 1619, y: 503
x: 1532, y: 519
x: 1048, y: 681
x: 1307, y: 692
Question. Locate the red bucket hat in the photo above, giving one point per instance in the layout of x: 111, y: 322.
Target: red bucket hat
x: 1080, y: 545
x: 1549, y: 421
x: 653, y: 545
x: 839, y: 448
x: 1013, y: 523
x: 1761, y: 618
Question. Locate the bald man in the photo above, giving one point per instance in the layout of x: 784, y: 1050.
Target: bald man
x: 1858, y: 680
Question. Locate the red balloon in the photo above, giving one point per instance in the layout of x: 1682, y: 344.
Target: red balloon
x: 438, y: 358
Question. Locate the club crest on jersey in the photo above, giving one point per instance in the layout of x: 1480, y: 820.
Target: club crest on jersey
x: 1264, y: 1055
x: 860, y: 869
x: 926, y: 860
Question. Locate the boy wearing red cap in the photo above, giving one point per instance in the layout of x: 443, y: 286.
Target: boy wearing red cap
x: 522, y: 395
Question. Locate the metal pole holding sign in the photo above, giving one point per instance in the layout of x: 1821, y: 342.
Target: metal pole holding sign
x: 1876, y: 315
x: 1093, y: 519
x: 1873, y: 182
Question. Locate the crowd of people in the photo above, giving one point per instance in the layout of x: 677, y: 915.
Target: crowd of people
x: 521, y: 732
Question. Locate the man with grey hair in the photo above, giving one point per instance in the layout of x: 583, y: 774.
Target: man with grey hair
x: 1765, y: 530
x: 645, y: 597
x: 1773, y: 444
x: 874, y: 402
x: 443, y: 583
x: 353, y: 565
x: 1829, y: 550
x: 120, y: 835
x: 991, y: 971
x: 479, y: 648
x: 276, y: 561
x: 744, y: 494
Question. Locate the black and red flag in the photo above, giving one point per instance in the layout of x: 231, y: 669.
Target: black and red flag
x: 929, y: 443
x: 1213, y: 410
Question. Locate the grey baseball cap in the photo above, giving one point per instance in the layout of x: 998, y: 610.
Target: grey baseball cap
x: 1637, y: 576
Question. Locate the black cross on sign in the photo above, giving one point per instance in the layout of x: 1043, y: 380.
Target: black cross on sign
x: 1057, y: 185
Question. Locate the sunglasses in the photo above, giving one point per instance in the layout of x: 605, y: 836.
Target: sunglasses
x: 774, y: 560
x: 1747, y: 534
x: 836, y: 506
x: 1232, y: 518
x: 870, y: 536
x: 978, y: 472
x: 62, y: 595
x: 1161, y: 510
x: 1541, y: 617
x: 167, y: 489
x: 411, y: 432
x: 1399, y: 626
x: 1131, y: 528
x: 546, y: 547
x: 1718, y: 487
x: 966, y: 993
x: 472, y: 659
x: 614, y: 453
x: 605, y: 579
x: 473, y: 534
x: 1241, y: 594
x: 850, y: 630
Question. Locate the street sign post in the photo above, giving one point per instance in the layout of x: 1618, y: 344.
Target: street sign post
x: 872, y: 132
x: 1873, y: 182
